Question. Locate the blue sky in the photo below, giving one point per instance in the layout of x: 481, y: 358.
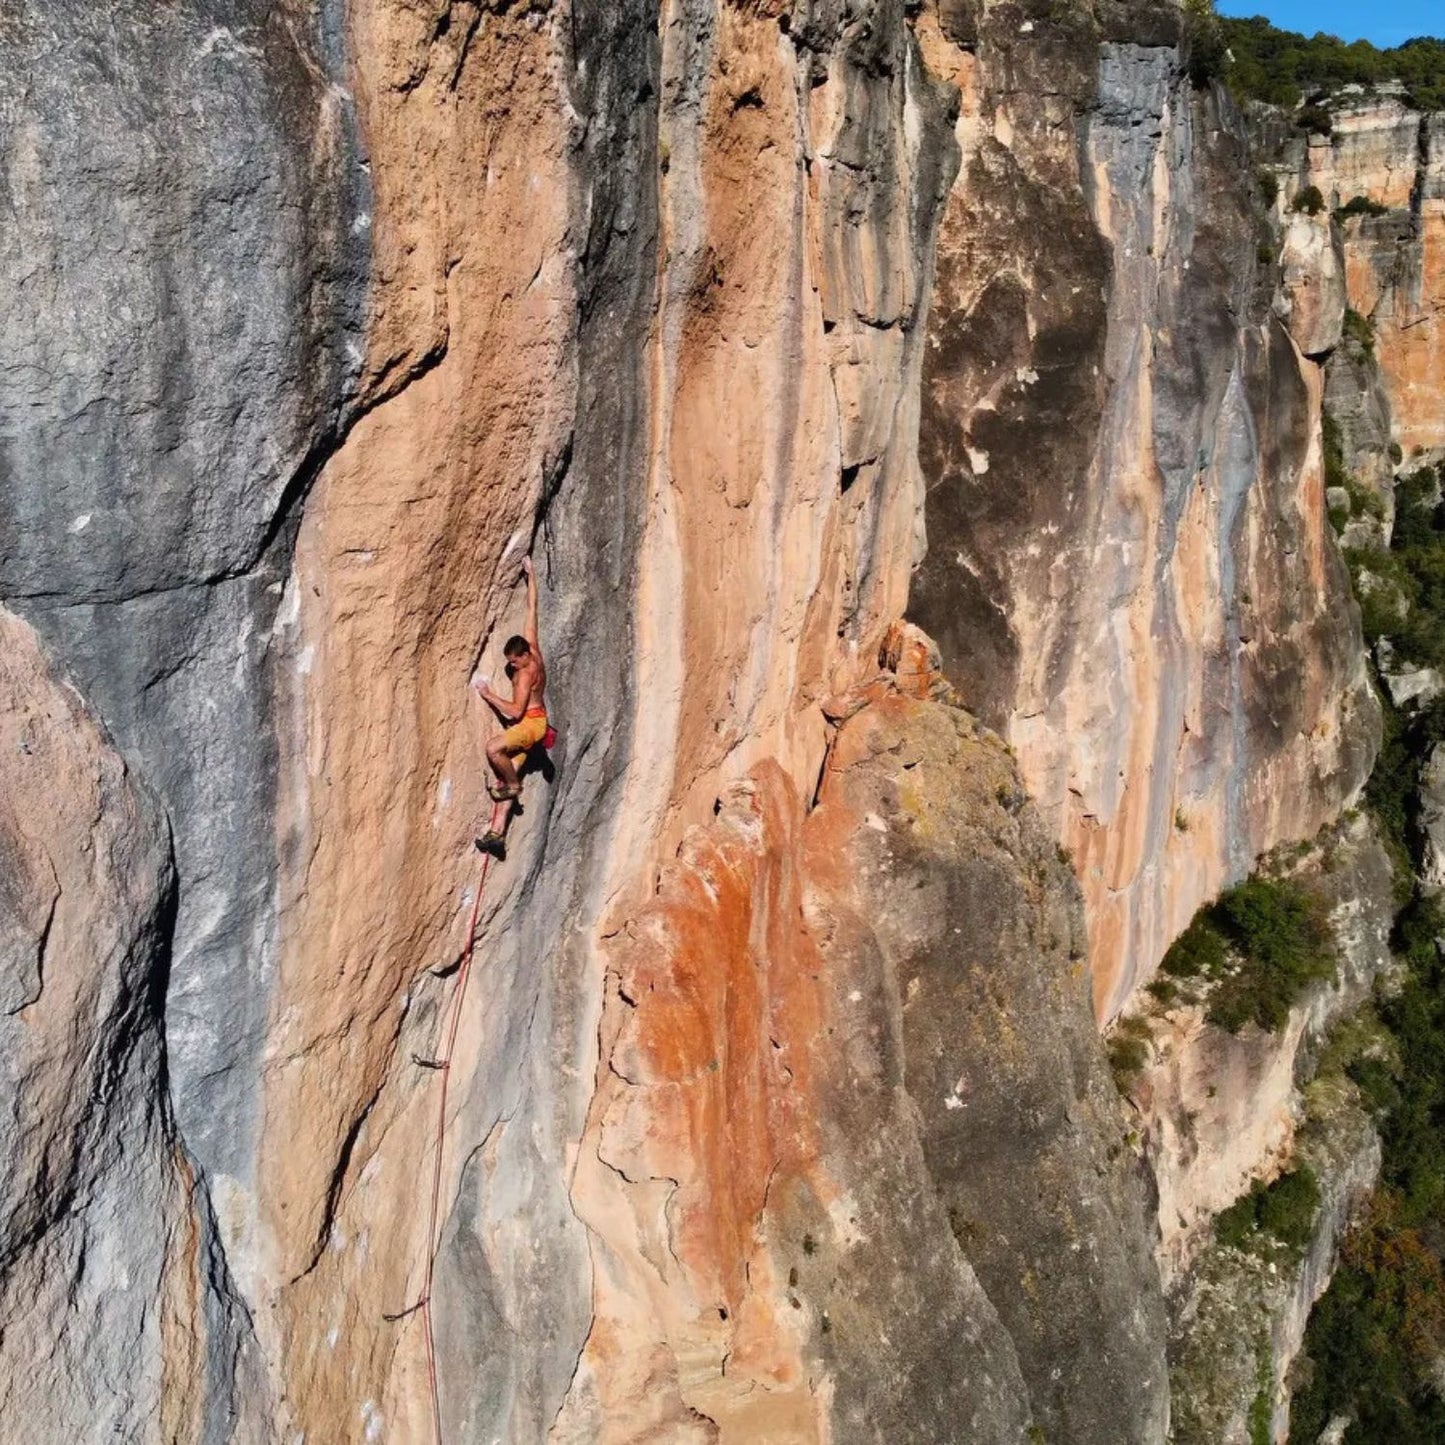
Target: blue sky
x: 1385, y: 22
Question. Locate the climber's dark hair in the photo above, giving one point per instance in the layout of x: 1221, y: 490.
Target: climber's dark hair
x: 517, y: 646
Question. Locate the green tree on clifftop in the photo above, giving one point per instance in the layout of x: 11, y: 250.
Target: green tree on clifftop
x: 1283, y: 68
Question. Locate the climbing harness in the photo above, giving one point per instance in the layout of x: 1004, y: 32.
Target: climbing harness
x: 443, y: 1063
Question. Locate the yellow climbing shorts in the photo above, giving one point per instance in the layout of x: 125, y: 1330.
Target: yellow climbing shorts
x: 522, y: 737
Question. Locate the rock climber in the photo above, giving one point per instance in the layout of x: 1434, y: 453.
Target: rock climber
x: 526, y: 710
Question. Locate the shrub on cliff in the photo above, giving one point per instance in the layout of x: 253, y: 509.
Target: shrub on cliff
x: 1257, y: 947
x: 1414, y: 1132
x: 1309, y: 201
x: 1374, y: 1340
x: 1417, y: 511
x: 1199, y: 952
x: 1281, y: 1213
x: 1359, y: 329
x: 1402, y: 591
x: 1361, y: 206
x: 1390, y: 790
x: 1204, y: 44
x: 1383, y: 589
x: 1284, y: 942
x: 1335, y: 473
x: 1129, y: 1051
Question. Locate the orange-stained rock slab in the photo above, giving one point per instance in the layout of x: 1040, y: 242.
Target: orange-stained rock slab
x: 816, y: 1032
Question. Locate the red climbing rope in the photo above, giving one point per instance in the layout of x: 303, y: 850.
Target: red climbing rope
x: 445, y: 1064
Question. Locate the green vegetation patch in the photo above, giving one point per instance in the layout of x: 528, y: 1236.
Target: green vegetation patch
x: 1401, y: 590
x: 1336, y: 473
x: 1375, y: 1339
x: 1257, y: 947
x: 1282, y: 1213
x: 1129, y: 1050
x: 1359, y: 329
x: 1315, y: 120
x: 1261, y: 1408
x: 1283, y: 68
x: 1361, y: 206
x: 1363, y: 502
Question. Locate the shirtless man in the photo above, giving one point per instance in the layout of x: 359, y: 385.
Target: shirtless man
x: 526, y: 710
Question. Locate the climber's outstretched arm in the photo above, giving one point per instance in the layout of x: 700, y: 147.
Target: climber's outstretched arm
x: 524, y: 663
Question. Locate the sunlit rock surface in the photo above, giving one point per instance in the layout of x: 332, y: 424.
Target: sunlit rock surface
x: 776, y: 1110
x: 1217, y: 1111
x: 1129, y: 569
x: 1391, y: 159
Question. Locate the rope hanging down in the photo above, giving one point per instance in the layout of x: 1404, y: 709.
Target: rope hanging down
x: 444, y: 1064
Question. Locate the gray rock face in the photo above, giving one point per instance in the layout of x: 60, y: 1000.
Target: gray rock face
x: 977, y: 926
x: 183, y: 275
x: 1030, y: 338
x: 1357, y: 400
x: 103, y: 1288
x: 180, y: 290
x: 1408, y: 686
x: 184, y: 279
x: 1312, y: 295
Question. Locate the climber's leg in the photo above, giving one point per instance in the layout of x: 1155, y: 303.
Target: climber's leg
x: 494, y: 840
x: 507, y: 753
x: 499, y: 755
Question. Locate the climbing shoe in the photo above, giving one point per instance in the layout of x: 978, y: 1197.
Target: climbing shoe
x: 492, y: 842
x: 501, y: 793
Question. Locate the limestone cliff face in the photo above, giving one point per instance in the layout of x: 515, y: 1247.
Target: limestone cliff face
x: 102, y: 1231
x: 183, y: 272
x: 1128, y: 566
x: 841, y: 1042
x: 776, y: 1109
x: 676, y: 273
x: 1218, y: 1109
x: 1389, y: 265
